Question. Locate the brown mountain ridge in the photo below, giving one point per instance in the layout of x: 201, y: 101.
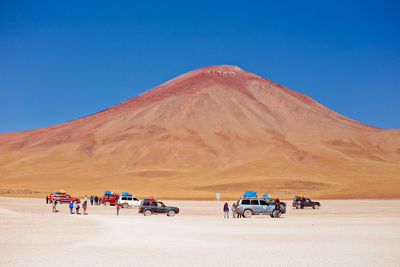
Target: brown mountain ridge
x: 214, y: 129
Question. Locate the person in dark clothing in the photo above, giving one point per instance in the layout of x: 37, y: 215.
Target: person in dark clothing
x: 226, y: 210
x: 55, y: 206
x: 96, y: 199
x: 302, y: 203
x: 91, y: 200
x: 47, y: 199
x: 277, y: 203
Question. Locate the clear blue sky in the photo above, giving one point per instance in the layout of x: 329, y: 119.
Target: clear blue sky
x: 60, y: 60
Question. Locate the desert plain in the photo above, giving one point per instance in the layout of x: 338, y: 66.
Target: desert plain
x: 340, y: 233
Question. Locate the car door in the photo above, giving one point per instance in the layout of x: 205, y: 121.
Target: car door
x: 129, y: 201
x: 265, y: 207
x: 135, y: 202
x: 154, y: 207
x: 255, y: 206
x: 161, y: 207
x: 308, y: 203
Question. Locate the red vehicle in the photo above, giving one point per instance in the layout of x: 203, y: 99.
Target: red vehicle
x: 63, y: 198
x: 109, y: 198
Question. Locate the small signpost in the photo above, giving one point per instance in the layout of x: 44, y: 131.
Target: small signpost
x: 218, y: 196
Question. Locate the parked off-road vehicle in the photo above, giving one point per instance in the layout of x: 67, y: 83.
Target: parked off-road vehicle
x: 306, y: 203
x: 129, y: 201
x: 249, y: 206
x: 148, y: 207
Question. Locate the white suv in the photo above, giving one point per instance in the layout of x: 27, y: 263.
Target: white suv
x: 129, y: 201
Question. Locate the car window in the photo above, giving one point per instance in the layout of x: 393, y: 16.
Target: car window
x: 146, y: 203
x: 135, y: 199
x: 153, y: 204
x: 263, y: 202
x: 245, y: 202
x: 254, y: 202
x: 123, y: 198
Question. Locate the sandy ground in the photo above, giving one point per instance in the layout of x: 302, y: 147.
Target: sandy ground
x: 341, y: 233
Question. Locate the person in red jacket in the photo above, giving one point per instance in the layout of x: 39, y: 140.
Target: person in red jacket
x: 117, y: 207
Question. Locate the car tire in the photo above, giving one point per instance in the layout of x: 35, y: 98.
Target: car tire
x: 147, y: 213
x: 171, y: 213
x: 315, y: 207
x: 125, y: 205
x: 107, y: 203
x: 247, y: 213
x: 276, y: 214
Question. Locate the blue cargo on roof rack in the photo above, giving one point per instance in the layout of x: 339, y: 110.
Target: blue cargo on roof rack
x: 265, y: 195
x: 107, y: 192
x: 249, y: 193
x: 126, y: 194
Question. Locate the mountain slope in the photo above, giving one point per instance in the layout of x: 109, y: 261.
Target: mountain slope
x: 214, y: 129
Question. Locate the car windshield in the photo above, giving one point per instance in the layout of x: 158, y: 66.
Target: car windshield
x: 160, y: 204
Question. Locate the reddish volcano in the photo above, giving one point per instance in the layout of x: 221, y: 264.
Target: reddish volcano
x: 214, y: 129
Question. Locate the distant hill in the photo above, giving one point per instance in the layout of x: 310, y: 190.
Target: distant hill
x: 214, y: 129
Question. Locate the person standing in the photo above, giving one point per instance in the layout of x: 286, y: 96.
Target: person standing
x: 84, y: 206
x: 91, y: 200
x: 234, y: 210
x: 71, y: 208
x: 117, y: 207
x: 77, y: 207
x: 47, y: 199
x: 55, y: 206
x: 226, y: 210
x: 96, y: 199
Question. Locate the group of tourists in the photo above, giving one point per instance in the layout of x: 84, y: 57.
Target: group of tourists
x: 234, y: 211
x: 74, y: 206
x: 77, y: 207
x: 95, y: 200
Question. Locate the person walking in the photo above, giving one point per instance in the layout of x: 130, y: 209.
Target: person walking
x: 91, y: 200
x: 55, y: 206
x: 84, y: 206
x: 234, y: 210
x: 302, y: 203
x: 117, y: 207
x: 96, y: 199
x: 226, y: 210
x: 77, y: 207
x: 47, y: 199
x: 71, y: 208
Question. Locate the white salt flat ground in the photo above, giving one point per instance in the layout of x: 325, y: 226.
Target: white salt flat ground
x: 341, y: 233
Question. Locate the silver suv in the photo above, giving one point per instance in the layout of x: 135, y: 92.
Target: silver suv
x: 249, y: 206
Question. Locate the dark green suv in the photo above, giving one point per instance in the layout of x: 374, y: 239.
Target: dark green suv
x: 148, y: 207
